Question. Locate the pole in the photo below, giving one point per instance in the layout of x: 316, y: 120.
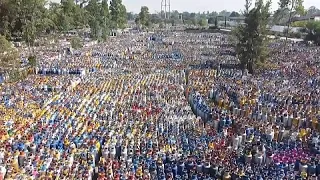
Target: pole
x: 165, y: 9
x: 225, y: 22
x: 288, y: 26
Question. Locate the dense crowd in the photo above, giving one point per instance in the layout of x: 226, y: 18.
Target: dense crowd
x: 143, y: 106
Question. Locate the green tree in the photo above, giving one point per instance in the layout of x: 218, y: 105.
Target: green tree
x: 296, y: 7
x: 44, y: 24
x: 203, y: 22
x: 281, y: 16
x: 251, y: 37
x: 216, y: 22
x: 313, y: 29
x: 211, y: 20
x: 105, y: 14
x: 118, y: 14
x: 155, y: 19
x: 9, y: 56
x: 130, y: 16
x: 299, y: 8
x: 95, y: 18
x: 144, y: 16
x: 234, y: 14
x: 32, y: 61
x: 123, y: 17
x: 313, y: 10
x: 20, y: 17
x: 161, y: 25
x: 224, y: 13
x: 137, y: 21
x: 80, y: 17
x: 65, y: 16
x: 55, y: 12
x: 76, y: 43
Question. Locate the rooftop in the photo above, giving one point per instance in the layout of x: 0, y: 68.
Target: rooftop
x: 303, y: 18
x: 236, y: 18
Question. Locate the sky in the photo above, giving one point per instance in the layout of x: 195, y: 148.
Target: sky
x: 199, y: 5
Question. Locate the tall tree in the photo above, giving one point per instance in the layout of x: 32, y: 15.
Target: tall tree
x: 95, y: 18
x: 296, y: 7
x: 20, y: 17
x: 80, y: 17
x: 65, y: 16
x: 299, y: 8
x: 144, y: 16
x: 105, y: 17
x: 234, y: 14
x: 130, y: 16
x: 313, y: 10
x: 203, y: 22
x: 118, y: 14
x: 251, y: 36
x: 9, y: 57
x: 313, y: 29
x: 281, y: 16
x: 224, y: 13
x: 155, y: 18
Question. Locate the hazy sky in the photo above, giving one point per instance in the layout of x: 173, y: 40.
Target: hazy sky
x: 199, y: 5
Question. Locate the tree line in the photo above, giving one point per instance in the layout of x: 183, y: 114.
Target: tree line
x: 30, y: 18
x: 147, y: 19
x: 27, y: 19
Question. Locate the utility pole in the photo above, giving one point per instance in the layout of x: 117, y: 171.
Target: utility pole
x: 165, y: 11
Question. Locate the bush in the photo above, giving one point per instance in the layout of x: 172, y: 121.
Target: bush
x: 32, y: 61
x: 76, y: 43
x: 297, y: 35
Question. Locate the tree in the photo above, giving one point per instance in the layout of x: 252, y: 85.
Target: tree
x: 79, y: 17
x: 155, y: 19
x: 281, y: 16
x: 302, y: 24
x: 299, y: 8
x: 95, y: 18
x: 313, y: 10
x: 9, y: 56
x: 313, y: 29
x: 130, y: 16
x: 175, y: 15
x: 211, y: 20
x: 137, y: 21
x: 203, y: 22
x: 32, y: 61
x: 20, y: 17
x: 251, y: 37
x: 105, y: 18
x: 76, y: 43
x: 216, y: 22
x: 234, y: 14
x: 224, y: 13
x: 118, y: 14
x: 296, y: 7
x: 144, y: 16
x: 161, y: 25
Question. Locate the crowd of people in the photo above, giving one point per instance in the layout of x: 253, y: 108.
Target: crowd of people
x: 130, y: 109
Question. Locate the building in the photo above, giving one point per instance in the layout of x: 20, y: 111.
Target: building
x: 314, y: 17
x: 237, y: 19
